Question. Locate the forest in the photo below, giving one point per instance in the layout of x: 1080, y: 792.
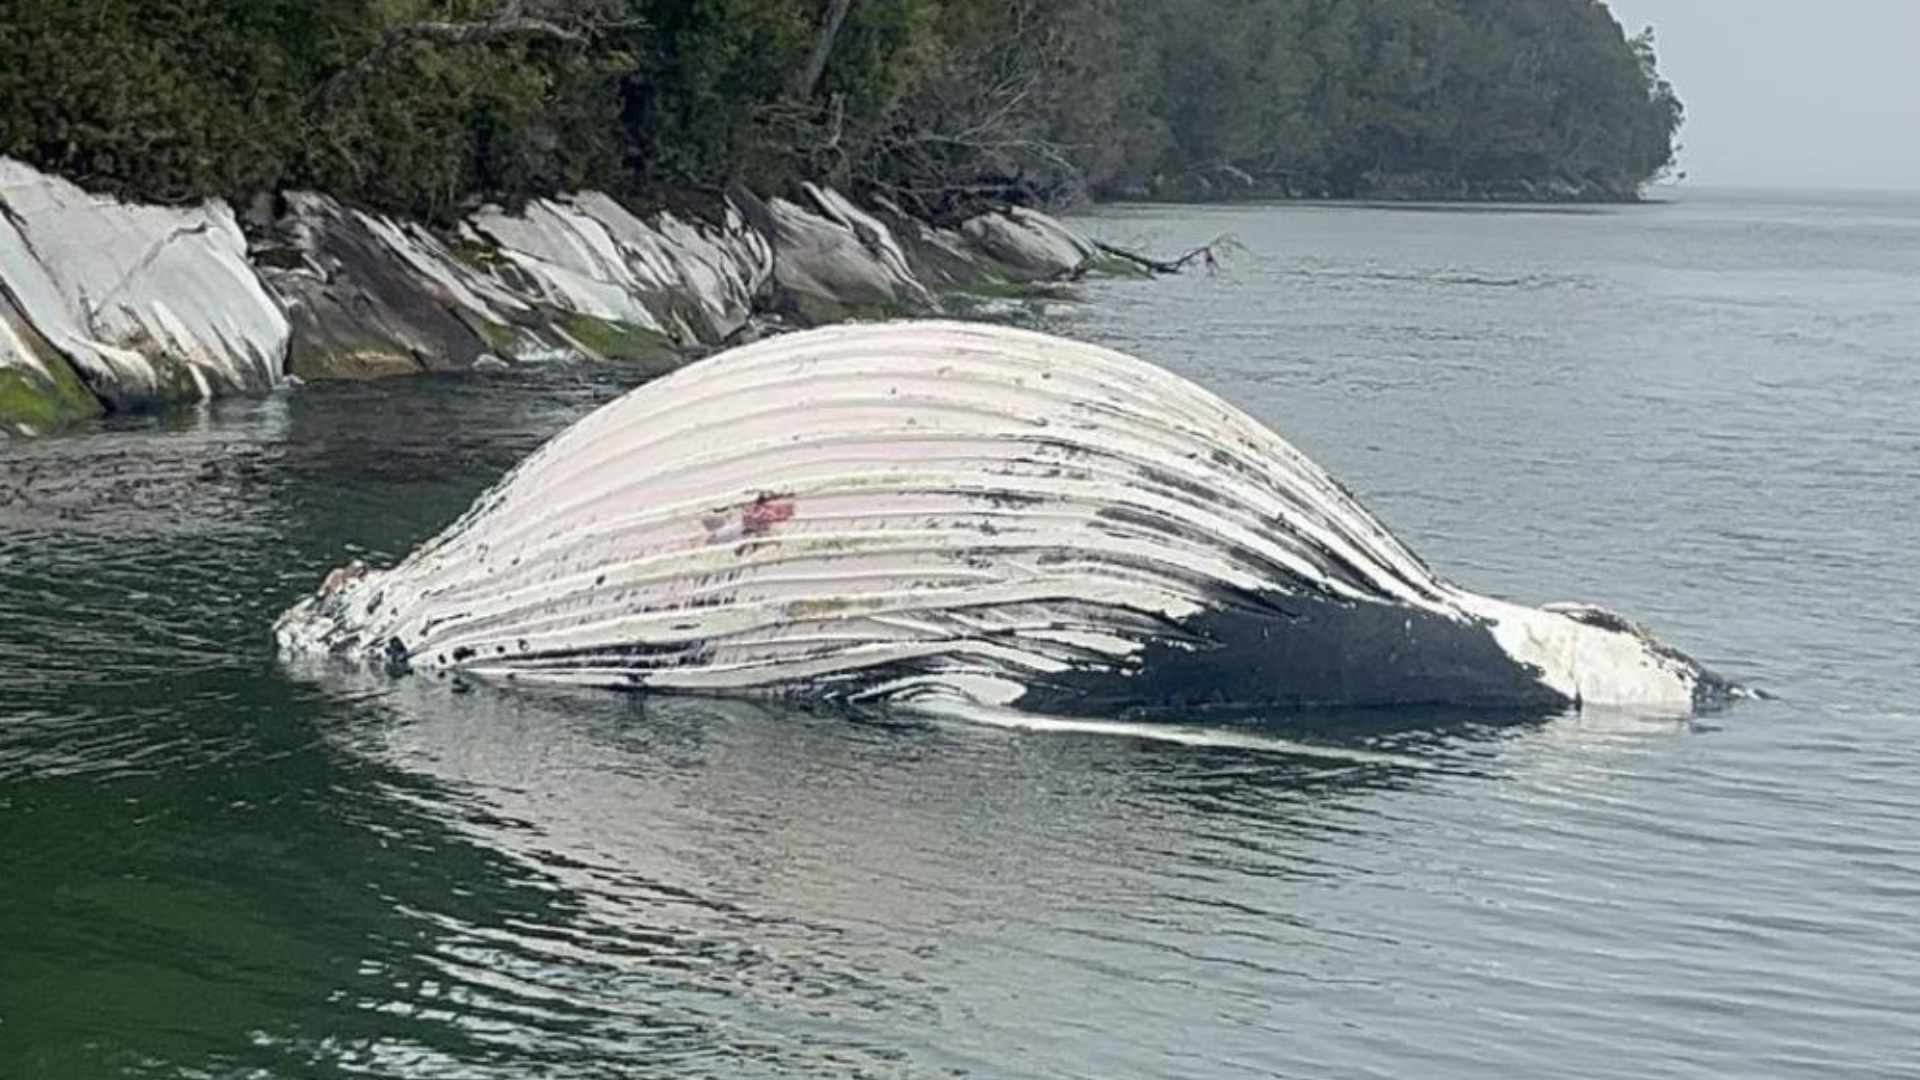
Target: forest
x: 430, y: 106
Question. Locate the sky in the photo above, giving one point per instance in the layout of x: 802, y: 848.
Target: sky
x: 1787, y: 93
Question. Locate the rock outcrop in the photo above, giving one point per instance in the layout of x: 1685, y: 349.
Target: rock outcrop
x: 369, y: 296
x: 833, y: 260
x: 943, y: 259
x: 1029, y: 245
x: 588, y: 256
x: 38, y: 390
x: 575, y: 277
x: 148, y: 304
x: 106, y: 305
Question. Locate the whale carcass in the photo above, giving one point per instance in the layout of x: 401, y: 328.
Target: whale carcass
x: 932, y: 511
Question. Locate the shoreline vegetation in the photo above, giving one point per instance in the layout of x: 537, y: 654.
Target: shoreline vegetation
x: 203, y: 197
x: 428, y: 108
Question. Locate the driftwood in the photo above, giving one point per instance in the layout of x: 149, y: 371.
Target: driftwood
x: 1205, y: 254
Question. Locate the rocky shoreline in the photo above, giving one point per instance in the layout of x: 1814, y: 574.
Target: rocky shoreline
x: 112, y: 306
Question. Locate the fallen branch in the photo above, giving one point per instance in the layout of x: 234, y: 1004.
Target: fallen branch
x: 1205, y: 253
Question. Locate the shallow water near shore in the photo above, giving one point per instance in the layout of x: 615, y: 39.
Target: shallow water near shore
x: 1703, y: 413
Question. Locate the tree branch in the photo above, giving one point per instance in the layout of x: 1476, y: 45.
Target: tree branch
x: 1205, y: 253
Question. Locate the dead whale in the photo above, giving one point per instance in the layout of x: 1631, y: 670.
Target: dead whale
x: 929, y: 512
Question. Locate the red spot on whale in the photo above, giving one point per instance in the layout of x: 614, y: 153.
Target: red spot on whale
x: 764, y: 513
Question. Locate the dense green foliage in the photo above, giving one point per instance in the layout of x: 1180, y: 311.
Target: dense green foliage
x: 176, y: 99
x: 426, y: 105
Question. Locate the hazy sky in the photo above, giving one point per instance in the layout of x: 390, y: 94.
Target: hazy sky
x: 1792, y: 93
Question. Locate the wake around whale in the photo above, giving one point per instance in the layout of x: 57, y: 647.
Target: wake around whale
x: 931, y: 513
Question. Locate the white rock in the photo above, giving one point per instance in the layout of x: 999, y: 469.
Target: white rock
x: 873, y: 233
x: 39, y: 390
x: 378, y: 295
x: 590, y: 255
x: 839, y: 255
x: 1029, y: 242
x: 426, y: 256
x: 15, y: 349
x: 372, y: 295
x: 724, y: 269
x: 571, y: 261
x: 940, y: 257
x: 151, y: 303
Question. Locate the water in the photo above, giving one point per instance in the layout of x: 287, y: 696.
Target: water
x: 1705, y: 414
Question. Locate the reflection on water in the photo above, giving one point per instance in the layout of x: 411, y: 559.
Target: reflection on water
x: 1700, y: 414
x: 858, y: 882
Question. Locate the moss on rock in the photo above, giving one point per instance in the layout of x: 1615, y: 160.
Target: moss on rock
x: 623, y: 342
x: 372, y: 362
x: 32, y: 403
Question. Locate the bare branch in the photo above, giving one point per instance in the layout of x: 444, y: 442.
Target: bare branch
x: 1205, y: 253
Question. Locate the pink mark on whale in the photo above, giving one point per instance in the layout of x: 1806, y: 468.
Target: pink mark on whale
x: 757, y: 518
x: 764, y: 513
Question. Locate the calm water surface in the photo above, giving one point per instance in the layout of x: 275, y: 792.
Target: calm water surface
x: 1705, y: 413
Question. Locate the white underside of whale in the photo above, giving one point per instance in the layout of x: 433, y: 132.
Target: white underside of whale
x: 911, y: 510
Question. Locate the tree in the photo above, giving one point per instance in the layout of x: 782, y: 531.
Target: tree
x: 426, y: 106
x: 809, y: 74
